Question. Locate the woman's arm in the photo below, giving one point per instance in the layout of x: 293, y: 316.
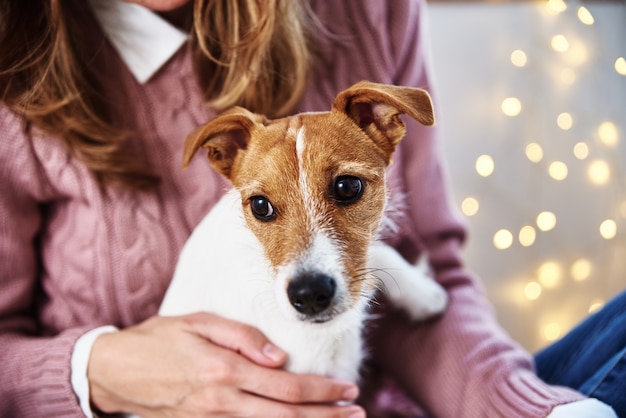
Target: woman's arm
x: 462, y: 364
x: 34, y: 368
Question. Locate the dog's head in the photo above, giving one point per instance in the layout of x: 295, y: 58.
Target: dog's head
x: 313, y: 190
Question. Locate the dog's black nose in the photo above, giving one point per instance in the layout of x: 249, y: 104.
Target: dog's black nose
x: 311, y: 293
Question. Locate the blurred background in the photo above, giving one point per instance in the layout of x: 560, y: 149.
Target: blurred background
x: 532, y: 106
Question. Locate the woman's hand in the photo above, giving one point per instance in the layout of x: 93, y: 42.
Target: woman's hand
x: 205, y: 365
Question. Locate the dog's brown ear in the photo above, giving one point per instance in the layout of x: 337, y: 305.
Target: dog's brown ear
x: 224, y: 137
x: 376, y: 108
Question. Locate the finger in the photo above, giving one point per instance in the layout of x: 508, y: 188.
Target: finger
x: 293, y: 388
x: 236, y: 336
x: 259, y: 407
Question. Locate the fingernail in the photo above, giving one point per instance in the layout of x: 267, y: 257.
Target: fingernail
x: 273, y: 353
x: 356, y: 412
x: 350, y: 394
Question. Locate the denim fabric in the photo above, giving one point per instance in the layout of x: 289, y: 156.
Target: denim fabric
x: 592, y: 357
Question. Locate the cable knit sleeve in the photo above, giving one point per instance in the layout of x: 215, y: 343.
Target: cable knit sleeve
x: 34, y: 369
x: 462, y: 364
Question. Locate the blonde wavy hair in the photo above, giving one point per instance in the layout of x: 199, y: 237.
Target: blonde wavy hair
x: 253, y: 53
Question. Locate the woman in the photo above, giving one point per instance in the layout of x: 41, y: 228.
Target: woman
x: 97, y: 99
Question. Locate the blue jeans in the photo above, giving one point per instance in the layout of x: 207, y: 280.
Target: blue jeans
x: 592, y: 357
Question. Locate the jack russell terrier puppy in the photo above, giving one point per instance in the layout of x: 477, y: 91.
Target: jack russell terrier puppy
x: 292, y: 249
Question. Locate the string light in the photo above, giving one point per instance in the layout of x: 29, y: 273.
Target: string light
x: 550, y: 274
x: 532, y: 291
x: 558, y: 170
x: 485, y: 165
x: 599, y: 172
x: 527, y: 236
x: 519, y: 58
x: 607, y: 132
x: 608, y: 229
x: 620, y: 66
x: 546, y: 221
x: 470, y: 206
x: 503, y: 239
x: 565, y: 121
x: 552, y: 331
x: 581, y: 269
x: 511, y: 106
x: 585, y: 16
x: 534, y: 152
x: 557, y: 6
x: 581, y: 151
x: 596, y: 305
x: 559, y: 43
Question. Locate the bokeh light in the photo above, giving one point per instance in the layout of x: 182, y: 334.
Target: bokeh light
x: 559, y: 43
x: 519, y: 58
x: 550, y: 274
x: 470, y: 206
x: 581, y: 150
x: 511, y: 106
x: 534, y: 152
x: 546, y: 221
x: 607, y: 132
x: 503, y: 239
x: 532, y: 291
x: 485, y: 165
x: 527, y: 236
x: 581, y: 269
x: 608, y: 229
x: 558, y: 170
x: 599, y: 172
x: 585, y: 16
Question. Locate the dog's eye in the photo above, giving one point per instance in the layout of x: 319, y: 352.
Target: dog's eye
x: 347, y: 189
x: 261, y: 208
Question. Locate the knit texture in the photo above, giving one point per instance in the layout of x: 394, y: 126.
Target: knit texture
x: 74, y: 256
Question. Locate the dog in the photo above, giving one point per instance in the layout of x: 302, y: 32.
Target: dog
x: 292, y: 248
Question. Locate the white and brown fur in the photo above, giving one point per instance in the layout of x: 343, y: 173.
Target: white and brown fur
x: 305, y: 273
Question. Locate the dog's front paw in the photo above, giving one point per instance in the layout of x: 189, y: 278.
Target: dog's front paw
x: 423, y: 298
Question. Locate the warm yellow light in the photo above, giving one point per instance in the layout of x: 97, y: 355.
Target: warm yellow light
x: 565, y: 121
x: 581, y: 269
x: 620, y: 66
x: 532, y: 291
x: 558, y: 170
x: 527, y: 236
x: 546, y: 221
x: 599, y: 172
x: 550, y: 274
x: 519, y: 58
x: 585, y: 16
x: 568, y: 76
x: 556, y: 6
x: 511, y: 106
x: 485, y: 165
x: 581, y: 150
x: 596, y: 305
x: 607, y: 131
x: 552, y: 331
x: 559, y: 43
x: 470, y: 206
x: 534, y: 152
x: 502, y: 239
x: 608, y: 229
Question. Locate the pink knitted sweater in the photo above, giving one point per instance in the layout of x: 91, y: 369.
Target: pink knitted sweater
x: 74, y: 256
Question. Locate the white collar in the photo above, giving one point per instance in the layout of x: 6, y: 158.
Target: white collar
x: 144, y: 40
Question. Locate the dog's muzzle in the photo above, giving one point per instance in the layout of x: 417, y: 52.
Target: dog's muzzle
x: 311, y: 293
